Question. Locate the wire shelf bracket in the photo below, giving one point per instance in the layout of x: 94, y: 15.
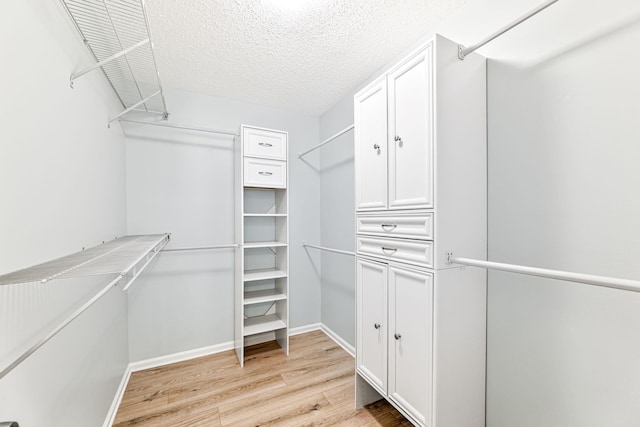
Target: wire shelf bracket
x: 118, y: 37
x: 464, y: 51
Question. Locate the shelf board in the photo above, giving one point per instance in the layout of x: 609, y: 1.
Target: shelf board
x: 265, y: 215
x: 260, y: 324
x: 269, y: 273
x: 271, y: 244
x: 267, y: 295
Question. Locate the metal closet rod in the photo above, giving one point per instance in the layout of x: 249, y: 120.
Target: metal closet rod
x: 589, y: 279
x: 464, y: 51
x: 202, y: 248
x: 326, y: 141
x: 322, y: 248
x: 177, y: 126
x: 88, y: 304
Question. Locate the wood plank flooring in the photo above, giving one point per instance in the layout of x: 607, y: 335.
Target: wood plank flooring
x: 314, y: 386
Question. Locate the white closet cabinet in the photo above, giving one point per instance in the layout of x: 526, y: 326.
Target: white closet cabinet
x: 393, y: 121
x: 420, y: 147
x: 393, y: 347
x: 262, y: 231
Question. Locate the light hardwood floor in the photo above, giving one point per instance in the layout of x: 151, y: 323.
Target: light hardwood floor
x: 314, y: 386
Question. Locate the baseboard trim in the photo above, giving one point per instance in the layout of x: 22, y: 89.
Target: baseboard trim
x: 180, y: 357
x: 304, y: 329
x: 117, y: 399
x: 339, y: 340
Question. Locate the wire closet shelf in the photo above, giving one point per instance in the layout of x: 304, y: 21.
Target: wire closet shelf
x: 122, y: 259
x: 117, y: 34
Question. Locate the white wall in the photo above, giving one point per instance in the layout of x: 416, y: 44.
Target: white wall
x: 563, y: 185
x: 62, y: 181
x: 182, y: 182
x: 563, y: 180
x: 338, y: 222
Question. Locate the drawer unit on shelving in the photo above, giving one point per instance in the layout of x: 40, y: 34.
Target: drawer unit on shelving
x: 406, y: 226
x: 265, y: 144
x: 419, y: 253
x: 262, y: 230
x: 264, y: 173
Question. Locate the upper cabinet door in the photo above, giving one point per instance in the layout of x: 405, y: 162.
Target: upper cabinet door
x: 411, y: 133
x: 370, y: 111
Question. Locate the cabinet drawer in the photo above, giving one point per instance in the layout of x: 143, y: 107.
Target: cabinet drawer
x: 409, y: 251
x: 404, y: 226
x: 265, y: 173
x: 265, y: 144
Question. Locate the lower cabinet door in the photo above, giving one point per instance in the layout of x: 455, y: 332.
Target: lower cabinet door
x: 410, y: 341
x: 371, y: 322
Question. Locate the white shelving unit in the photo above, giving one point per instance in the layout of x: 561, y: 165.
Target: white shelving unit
x: 262, y: 229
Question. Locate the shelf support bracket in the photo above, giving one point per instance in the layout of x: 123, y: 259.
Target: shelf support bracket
x: 106, y: 61
x: 133, y: 107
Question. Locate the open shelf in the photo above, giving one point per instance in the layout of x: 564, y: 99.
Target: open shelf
x: 260, y: 324
x: 267, y: 295
x: 263, y: 274
x: 271, y: 244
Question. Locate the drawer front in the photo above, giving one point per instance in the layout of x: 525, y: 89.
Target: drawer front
x: 409, y: 251
x: 403, y: 226
x: 265, y: 144
x: 265, y: 173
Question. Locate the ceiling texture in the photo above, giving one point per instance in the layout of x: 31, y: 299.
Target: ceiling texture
x: 300, y: 55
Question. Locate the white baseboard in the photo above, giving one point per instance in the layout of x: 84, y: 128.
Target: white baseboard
x: 304, y: 329
x: 339, y: 340
x: 117, y: 399
x: 180, y: 357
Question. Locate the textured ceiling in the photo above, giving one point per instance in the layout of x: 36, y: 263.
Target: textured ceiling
x: 301, y: 55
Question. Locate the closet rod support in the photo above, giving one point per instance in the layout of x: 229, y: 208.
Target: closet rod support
x: 106, y: 60
x: 588, y: 279
x: 464, y: 51
x: 137, y: 272
x: 133, y: 107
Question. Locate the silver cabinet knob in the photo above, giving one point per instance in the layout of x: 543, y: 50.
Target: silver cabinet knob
x: 397, y: 336
x: 397, y: 138
x: 376, y: 325
x: 376, y: 147
x: 265, y: 144
x: 265, y: 173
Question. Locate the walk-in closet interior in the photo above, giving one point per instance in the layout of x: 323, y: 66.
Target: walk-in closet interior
x: 291, y: 213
